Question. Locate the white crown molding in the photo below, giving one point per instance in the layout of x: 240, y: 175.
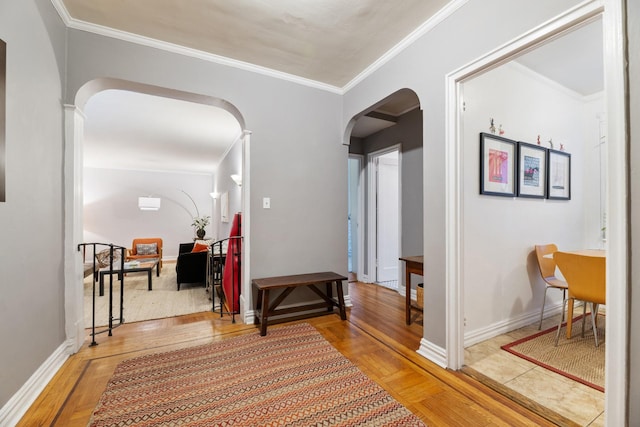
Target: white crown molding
x: 77, y: 24
x: 423, y: 29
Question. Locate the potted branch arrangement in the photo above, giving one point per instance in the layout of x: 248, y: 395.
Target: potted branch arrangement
x: 200, y: 222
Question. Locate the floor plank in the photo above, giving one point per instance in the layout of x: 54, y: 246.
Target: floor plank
x: 374, y: 337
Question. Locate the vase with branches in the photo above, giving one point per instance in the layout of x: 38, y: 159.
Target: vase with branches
x: 199, y: 222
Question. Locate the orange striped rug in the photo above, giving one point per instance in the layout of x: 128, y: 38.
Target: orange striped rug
x: 291, y: 377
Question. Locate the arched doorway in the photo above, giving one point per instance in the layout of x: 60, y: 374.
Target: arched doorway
x: 74, y: 144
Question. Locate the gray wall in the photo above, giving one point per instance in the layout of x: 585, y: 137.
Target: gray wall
x: 633, y: 14
x: 31, y: 220
x: 231, y: 164
x: 407, y: 132
x: 422, y: 67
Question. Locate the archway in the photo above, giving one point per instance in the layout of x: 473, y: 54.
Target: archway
x: 73, y: 177
x: 394, y: 124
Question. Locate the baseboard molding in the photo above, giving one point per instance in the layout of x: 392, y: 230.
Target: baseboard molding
x: 18, y: 405
x: 508, y: 325
x: 434, y: 353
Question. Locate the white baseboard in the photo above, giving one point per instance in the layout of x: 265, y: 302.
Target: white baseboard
x: 508, y: 325
x: 18, y: 405
x: 434, y: 353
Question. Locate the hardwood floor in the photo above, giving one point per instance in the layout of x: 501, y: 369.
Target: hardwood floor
x: 374, y: 337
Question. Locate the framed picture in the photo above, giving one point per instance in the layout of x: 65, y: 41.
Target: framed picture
x: 224, y: 207
x: 498, y: 163
x: 559, y: 175
x: 532, y: 170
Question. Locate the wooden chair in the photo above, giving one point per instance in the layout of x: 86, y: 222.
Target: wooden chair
x: 547, y: 267
x: 586, y: 276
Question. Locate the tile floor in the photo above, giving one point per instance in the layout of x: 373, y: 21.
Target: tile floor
x: 568, y: 398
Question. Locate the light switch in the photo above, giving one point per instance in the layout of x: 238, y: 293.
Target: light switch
x: 266, y: 203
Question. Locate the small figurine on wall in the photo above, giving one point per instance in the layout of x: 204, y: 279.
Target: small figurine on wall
x: 500, y: 130
x: 492, y: 127
x: 538, y: 139
x: 551, y: 143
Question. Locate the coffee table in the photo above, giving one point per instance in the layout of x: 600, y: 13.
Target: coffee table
x: 147, y: 266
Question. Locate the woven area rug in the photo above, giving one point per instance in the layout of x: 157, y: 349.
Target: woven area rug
x: 576, y: 358
x: 141, y: 304
x: 291, y: 377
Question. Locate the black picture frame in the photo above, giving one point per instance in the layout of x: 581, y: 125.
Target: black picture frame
x: 498, y: 165
x: 558, y: 175
x: 532, y: 171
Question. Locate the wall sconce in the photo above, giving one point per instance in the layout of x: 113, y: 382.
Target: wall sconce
x: 214, y: 195
x: 149, y: 203
x: 237, y: 179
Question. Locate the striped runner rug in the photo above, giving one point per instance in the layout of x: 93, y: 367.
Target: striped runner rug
x: 291, y: 377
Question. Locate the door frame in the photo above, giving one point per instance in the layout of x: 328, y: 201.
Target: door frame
x: 372, y: 215
x: 616, y: 364
x: 360, y: 219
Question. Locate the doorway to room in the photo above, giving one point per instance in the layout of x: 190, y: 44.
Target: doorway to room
x: 384, y: 215
x: 76, y: 181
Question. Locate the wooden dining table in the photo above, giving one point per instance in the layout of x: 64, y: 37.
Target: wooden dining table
x: 599, y: 253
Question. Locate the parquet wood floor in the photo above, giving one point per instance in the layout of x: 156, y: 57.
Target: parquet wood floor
x: 374, y: 337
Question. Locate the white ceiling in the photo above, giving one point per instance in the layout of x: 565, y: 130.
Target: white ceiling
x: 331, y: 43
x: 129, y: 130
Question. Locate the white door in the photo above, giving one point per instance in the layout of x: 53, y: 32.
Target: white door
x: 387, y: 218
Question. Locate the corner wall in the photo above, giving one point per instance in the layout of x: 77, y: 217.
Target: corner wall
x: 32, y: 324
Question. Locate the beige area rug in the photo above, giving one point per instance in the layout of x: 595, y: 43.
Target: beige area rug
x: 576, y: 358
x: 291, y: 377
x: 140, y: 303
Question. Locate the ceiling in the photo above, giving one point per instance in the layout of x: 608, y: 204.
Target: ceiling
x: 330, y: 43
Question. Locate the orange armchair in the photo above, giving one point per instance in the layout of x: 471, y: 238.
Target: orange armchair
x: 141, y: 252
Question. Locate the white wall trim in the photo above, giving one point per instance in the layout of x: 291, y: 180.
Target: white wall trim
x: 504, y: 326
x: 73, y: 218
x: 77, y: 24
x: 246, y: 287
x: 617, y: 245
x: 578, y: 15
x: 361, y: 210
x: 432, y: 352
x: 20, y: 402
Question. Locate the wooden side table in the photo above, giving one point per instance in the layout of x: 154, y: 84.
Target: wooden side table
x: 415, y: 265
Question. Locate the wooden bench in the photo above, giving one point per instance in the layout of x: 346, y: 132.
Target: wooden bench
x: 288, y: 284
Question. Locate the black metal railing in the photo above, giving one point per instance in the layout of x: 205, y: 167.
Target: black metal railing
x: 101, y: 260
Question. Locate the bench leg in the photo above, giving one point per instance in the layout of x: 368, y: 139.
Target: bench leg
x: 256, y: 319
x: 265, y: 313
x: 343, y: 311
x: 150, y: 285
x: 330, y: 295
